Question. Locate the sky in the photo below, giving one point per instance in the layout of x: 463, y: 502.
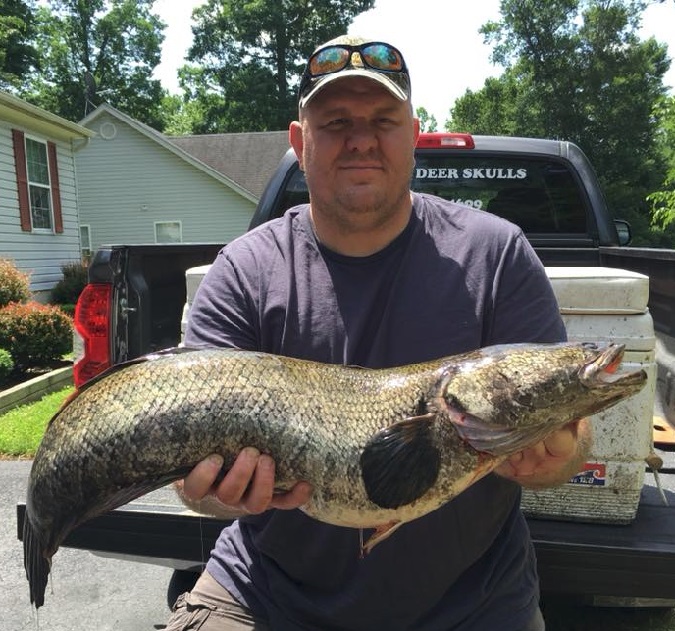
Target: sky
x: 444, y: 51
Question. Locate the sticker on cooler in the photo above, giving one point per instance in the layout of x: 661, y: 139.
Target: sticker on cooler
x: 592, y: 474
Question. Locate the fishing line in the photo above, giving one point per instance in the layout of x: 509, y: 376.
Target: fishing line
x: 201, y: 540
x: 36, y: 617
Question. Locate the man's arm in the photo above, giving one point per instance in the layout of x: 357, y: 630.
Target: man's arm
x: 221, y: 316
x: 551, y: 462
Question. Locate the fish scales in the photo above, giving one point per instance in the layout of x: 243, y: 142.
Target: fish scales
x: 380, y: 447
x: 183, y: 407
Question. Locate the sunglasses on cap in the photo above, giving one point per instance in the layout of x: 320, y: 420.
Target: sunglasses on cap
x: 378, y: 56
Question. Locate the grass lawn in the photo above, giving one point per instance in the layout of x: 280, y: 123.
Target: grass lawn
x: 21, y: 429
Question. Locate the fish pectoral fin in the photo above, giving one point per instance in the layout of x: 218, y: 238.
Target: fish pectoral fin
x: 380, y: 534
x: 497, y: 440
x: 401, y: 462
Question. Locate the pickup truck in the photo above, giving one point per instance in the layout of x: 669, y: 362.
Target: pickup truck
x: 137, y: 294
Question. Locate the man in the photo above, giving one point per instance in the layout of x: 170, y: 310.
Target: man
x: 373, y: 275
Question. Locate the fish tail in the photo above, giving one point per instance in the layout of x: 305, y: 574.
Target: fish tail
x: 36, y: 563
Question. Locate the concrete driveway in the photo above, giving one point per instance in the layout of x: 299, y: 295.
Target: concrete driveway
x: 86, y: 591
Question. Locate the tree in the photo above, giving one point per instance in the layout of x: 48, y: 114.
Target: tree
x: 427, y: 122
x: 502, y: 107
x: 576, y: 69
x: 94, y: 51
x: 17, y: 55
x: 179, y: 116
x: 663, y: 200
x: 247, y: 58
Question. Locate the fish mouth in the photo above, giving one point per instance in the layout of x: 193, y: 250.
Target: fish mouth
x: 603, y: 369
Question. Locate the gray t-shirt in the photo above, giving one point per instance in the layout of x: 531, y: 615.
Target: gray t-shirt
x: 456, y: 279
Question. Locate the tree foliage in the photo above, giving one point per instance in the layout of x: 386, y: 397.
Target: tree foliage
x: 17, y: 54
x: 247, y: 58
x: 577, y: 70
x: 663, y: 200
x: 180, y: 116
x: 428, y: 121
x: 93, y: 51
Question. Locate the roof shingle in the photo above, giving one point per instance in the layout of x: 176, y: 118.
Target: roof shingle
x: 247, y: 158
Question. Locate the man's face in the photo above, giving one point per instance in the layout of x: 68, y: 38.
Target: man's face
x: 355, y: 142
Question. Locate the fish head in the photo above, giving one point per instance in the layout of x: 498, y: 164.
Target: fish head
x: 505, y: 398
x: 604, y: 380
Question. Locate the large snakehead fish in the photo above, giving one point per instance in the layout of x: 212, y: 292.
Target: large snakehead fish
x: 380, y: 447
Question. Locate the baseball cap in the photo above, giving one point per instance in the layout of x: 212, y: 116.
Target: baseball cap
x: 352, y: 56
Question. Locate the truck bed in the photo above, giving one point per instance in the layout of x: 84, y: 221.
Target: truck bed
x: 620, y: 561
x: 595, y: 560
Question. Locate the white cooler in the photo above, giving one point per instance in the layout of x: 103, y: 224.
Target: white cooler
x: 193, y: 278
x: 598, y: 305
x: 606, y: 305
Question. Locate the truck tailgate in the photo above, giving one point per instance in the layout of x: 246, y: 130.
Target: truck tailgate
x: 631, y: 561
x: 581, y: 559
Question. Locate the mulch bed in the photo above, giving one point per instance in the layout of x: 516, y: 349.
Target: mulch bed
x: 16, y: 378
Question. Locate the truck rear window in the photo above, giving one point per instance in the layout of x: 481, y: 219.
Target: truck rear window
x: 539, y: 195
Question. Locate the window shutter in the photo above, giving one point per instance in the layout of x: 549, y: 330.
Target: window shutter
x: 21, y: 178
x: 56, y: 189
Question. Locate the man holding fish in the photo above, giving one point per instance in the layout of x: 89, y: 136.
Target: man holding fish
x: 373, y: 275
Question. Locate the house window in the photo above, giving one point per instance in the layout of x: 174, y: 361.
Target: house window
x: 168, y: 232
x: 85, y: 241
x: 37, y: 181
x: 37, y: 170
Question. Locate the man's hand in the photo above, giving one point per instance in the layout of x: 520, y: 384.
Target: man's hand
x: 247, y: 488
x: 551, y: 462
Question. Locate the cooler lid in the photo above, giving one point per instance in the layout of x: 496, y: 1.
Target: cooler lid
x: 599, y: 290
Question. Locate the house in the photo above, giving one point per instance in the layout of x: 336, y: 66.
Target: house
x: 38, y: 196
x: 136, y: 185
x: 247, y: 158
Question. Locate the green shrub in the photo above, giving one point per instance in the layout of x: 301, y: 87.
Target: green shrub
x: 68, y: 289
x: 35, y: 334
x: 68, y: 309
x: 14, y: 285
x: 6, y: 365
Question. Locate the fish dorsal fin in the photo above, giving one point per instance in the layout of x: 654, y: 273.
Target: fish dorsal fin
x: 401, y: 462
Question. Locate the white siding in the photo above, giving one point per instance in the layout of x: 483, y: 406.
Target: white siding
x: 40, y: 254
x: 129, y: 182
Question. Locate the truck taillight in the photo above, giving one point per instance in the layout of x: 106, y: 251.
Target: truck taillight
x: 440, y: 139
x: 92, y: 323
